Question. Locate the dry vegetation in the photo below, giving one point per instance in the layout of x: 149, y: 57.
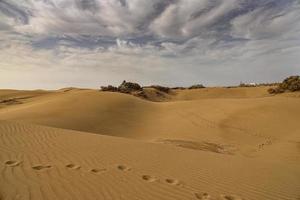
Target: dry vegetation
x: 290, y: 84
x: 198, y: 86
x: 13, y: 101
x: 144, y: 92
x: 125, y: 87
x: 156, y: 93
x: 161, y: 88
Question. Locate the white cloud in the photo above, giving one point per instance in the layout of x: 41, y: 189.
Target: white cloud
x: 163, y: 41
x: 266, y: 23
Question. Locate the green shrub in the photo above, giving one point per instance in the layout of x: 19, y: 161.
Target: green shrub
x: 198, y: 86
x: 127, y: 87
x: 178, y: 88
x: 291, y: 84
x: 109, y: 88
x: 161, y: 88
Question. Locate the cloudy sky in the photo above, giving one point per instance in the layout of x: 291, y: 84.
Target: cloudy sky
x: 88, y: 43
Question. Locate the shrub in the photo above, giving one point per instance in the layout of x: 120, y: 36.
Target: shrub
x: 178, y: 88
x: 127, y: 87
x: 10, y: 101
x: 271, y: 91
x: 275, y: 90
x: 291, y: 84
x: 161, y: 88
x: 141, y: 94
x: 109, y: 88
x: 198, y: 86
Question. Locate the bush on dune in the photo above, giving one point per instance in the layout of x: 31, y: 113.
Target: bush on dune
x: 198, y: 86
x: 161, y: 88
x: 125, y: 87
x: 109, y: 88
x: 275, y: 90
x: 291, y: 84
x: 178, y: 88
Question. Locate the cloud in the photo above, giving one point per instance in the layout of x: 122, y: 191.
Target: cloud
x: 265, y: 23
x: 18, y: 13
x: 164, y: 41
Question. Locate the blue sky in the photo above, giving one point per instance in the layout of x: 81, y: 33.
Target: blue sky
x: 87, y: 43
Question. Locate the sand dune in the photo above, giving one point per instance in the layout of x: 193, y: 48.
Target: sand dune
x: 47, y: 163
x: 221, y: 92
x: 215, y: 143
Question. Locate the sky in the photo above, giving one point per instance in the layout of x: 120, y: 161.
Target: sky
x: 51, y: 44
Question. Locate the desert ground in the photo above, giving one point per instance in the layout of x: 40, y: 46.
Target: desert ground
x: 210, y: 143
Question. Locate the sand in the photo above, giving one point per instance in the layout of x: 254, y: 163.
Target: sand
x: 213, y: 143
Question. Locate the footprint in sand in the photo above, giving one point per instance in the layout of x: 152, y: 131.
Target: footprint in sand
x: 172, y: 181
x: 41, y: 167
x: 230, y: 197
x: 72, y: 166
x: 202, y: 196
x: 97, y: 171
x: 12, y: 163
x: 149, y: 178
x: 123, y: 168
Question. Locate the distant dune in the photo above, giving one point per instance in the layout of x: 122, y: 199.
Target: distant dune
x: 210, y: 143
